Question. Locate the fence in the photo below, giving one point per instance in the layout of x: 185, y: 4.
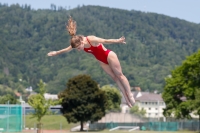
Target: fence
x: 113, y: 120
x: 11, y: 118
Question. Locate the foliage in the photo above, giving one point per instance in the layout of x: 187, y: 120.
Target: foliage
x: 135, y: 110
x: 39, y: 103
x: 113, y: 96
x: 82, y: 100
x: 5, y: 90
x: 8, y: 99
x: 196, y: 103
x: 155, y: 45
x: 182, y: 89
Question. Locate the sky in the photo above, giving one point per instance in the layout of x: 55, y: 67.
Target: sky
x: 188, y: 10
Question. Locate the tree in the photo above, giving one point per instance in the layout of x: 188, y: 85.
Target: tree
x: 8, y: 99
x: 135, y: 110
x: 182, y: 89
x: 40, y: 104
x: 197, y: 102
x: 82, y: 100
x: 113, y: 96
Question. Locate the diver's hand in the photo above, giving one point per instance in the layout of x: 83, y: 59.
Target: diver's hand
x: 122, y: 40
x: 52, y: 53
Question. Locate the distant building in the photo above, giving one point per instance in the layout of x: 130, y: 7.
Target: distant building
x: 151, y: 102
x: 50, y: 96
x: 29, y: 89
x: 46, y: 96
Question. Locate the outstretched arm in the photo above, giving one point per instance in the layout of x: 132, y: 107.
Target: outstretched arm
x: 97, y: 40
x: 53, y: 53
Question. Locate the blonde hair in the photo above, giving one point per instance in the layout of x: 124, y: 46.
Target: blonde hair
x: 72, y: 27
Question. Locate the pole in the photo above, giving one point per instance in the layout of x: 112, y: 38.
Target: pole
x: 21, y: 110
x: 24, y: 115
x: 8, y: 116
x: 159, y: 115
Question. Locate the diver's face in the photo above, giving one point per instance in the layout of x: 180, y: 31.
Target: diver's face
x: 80, y: 47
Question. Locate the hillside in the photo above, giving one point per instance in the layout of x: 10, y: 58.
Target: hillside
x: 155, y: 45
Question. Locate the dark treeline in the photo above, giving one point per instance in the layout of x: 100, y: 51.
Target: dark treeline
x: 156, y: 44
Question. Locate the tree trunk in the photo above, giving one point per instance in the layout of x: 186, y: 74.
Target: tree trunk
x: 81, y: 126
x: 39, y: 128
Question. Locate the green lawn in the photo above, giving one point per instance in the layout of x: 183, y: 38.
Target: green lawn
x: 57, y: 122
x: 51, y: 122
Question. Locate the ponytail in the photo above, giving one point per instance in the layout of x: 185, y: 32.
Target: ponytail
x: 71, y: 27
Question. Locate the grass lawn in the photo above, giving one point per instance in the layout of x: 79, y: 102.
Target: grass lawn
x: 57, y: 122
x: 50, y: 122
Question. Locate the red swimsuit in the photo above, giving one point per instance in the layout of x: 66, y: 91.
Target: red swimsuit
x: 98, y: 52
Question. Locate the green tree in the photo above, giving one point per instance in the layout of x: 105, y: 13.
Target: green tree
x: 113, y: 96
x: 82, y: 100
x: 40, y: 104
x: 135, y: 110
x: 182, y: 87
x: 8, y: 99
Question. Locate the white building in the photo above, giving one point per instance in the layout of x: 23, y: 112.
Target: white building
x: 51, y: 96
x: 29, y: 89
x: 151, y: 102
x: 47, y: 96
